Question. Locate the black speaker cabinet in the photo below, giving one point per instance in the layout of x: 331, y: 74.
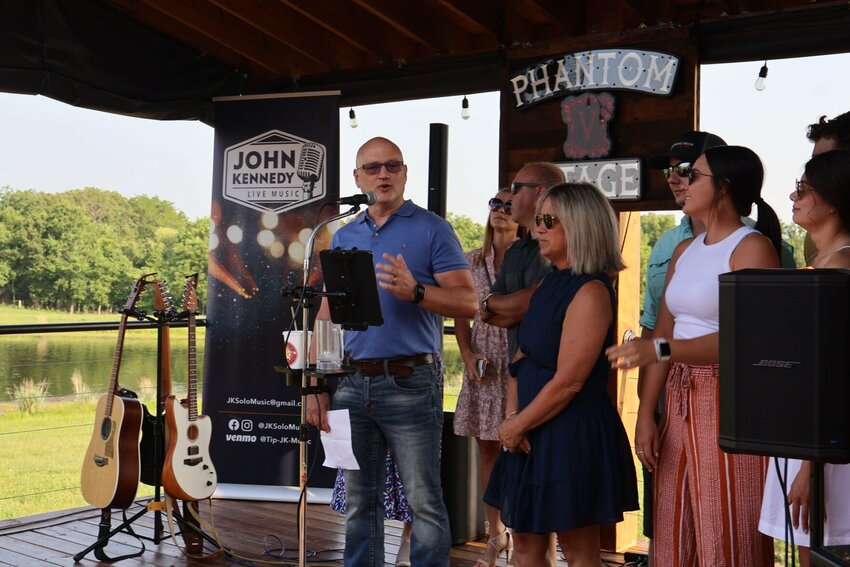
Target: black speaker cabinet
x: 785, y: 363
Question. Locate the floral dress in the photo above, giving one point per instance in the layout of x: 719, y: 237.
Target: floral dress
x: 481, y: 405
x: 395, y: 503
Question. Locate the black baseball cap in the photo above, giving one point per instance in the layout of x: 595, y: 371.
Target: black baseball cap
x: 687, y: 147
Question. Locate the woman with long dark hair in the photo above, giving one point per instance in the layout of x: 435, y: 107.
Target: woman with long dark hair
x: 706, y: 501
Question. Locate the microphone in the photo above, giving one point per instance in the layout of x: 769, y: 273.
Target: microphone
x: 310, y: 164
x: 367, y: 199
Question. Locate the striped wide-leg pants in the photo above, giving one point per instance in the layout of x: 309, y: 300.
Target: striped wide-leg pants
x: 707, y: 502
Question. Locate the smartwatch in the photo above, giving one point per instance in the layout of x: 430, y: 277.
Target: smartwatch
x: 662, y: 349
x: 418, y: 293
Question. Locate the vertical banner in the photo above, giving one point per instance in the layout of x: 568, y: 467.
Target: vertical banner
x: 276, y: 163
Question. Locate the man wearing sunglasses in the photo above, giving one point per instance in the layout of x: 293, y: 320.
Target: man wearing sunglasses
x: 394, y: 398
x: 523, y: 266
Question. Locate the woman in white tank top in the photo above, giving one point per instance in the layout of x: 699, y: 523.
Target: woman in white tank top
x: 821, y: 205
x: 707, y: 502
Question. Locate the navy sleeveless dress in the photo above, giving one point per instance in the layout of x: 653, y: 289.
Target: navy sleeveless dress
x: 580, y: 470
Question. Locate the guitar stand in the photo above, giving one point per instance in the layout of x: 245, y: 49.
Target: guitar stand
x: 156, y: 504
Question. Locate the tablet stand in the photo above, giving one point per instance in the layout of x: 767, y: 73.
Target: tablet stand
x: 352, y: 293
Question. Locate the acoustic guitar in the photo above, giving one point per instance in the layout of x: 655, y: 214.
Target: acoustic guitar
x: 110, y: 474
x: 188, y: 473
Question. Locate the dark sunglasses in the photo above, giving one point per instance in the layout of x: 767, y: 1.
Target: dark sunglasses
x: 801, y: 188
x: 374, y: 168
x: 547, y: 220
x: 681, y: 170
x: 495, y: 204
x: 694, y: 173
x: 517, y: 185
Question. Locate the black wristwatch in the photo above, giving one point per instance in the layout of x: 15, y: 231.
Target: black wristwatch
x: 418, y: 293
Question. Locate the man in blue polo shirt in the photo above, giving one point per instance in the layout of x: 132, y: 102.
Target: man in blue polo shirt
x: 394, y: 399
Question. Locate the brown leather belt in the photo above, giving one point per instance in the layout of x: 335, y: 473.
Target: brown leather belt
x: 402, y: 366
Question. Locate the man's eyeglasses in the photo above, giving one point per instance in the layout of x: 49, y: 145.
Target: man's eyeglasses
x: 374, y: 168
x: 681, y: 170
x: 547, y: 220
x: 517, y: 185
x: 694, y: 173
x: 801, y: 188
x: 495, y: 204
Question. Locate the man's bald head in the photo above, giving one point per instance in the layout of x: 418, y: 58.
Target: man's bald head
x: 378, y: 141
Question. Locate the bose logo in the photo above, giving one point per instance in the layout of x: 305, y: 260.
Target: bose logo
x: 776, y: 363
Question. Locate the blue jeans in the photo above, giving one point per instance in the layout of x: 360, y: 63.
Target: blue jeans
x: 406, y: 414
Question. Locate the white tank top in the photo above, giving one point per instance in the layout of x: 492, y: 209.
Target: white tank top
x: 693, y: 294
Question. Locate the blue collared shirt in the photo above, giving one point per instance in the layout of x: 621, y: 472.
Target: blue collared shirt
x: 656, y: 269
x: 429, y: 246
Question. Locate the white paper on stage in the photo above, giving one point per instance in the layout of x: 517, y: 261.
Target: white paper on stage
x: 337, y: 444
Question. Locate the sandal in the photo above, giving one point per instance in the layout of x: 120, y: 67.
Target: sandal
x: 495, y: 546
x: 402, y: 558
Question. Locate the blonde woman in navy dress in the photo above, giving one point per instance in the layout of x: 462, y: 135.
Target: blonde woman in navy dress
x: 567, y: 467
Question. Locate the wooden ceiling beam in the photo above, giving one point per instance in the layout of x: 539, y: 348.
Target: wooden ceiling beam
x: 476, y: 16
x: 567, y: 14
x: 637, y: 8
x: 418, y: 25
x: 235, y: 35
x: 346, y: 22
x: 206, y: 46
x: 290, y: 28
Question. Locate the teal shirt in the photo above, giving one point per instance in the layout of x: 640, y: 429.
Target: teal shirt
x: 659, y: 261
x: 656, y: 269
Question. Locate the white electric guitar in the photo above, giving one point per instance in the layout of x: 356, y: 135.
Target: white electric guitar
x: 188, y: 472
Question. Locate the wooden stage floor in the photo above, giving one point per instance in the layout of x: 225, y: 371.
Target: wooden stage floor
x: 247, y: 528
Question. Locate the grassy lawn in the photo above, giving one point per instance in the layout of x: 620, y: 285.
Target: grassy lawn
x: 10, y: 315
x: 42, y: 455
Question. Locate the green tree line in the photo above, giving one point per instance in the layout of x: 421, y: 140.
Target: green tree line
x: 81, y: 250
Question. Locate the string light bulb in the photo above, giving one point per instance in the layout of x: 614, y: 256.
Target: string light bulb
x: 761, y: 81
x: 352, y: 118
x: 464, y: 108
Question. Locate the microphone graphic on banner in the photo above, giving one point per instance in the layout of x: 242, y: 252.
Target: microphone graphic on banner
x: 310, y: 164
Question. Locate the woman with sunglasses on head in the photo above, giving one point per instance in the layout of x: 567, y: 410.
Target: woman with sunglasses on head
x: 566, y: 466
x: 706, y: 502
x: 481, y: 403
x: 821, y: 205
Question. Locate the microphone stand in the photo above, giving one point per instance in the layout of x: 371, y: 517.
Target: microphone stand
x: 306, y: 390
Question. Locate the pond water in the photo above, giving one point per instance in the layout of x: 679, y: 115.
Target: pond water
x: 56, y: 358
